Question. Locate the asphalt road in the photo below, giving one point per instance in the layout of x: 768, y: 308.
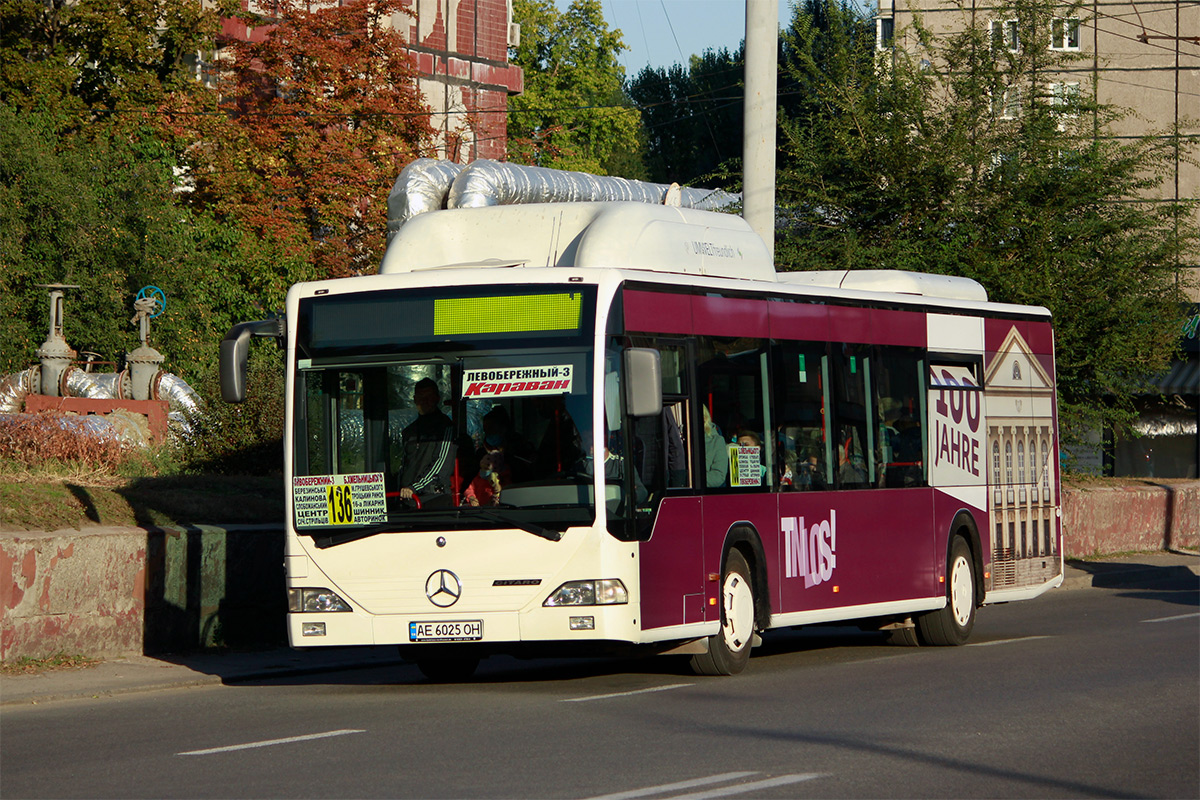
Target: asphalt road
x: 1090, y: 693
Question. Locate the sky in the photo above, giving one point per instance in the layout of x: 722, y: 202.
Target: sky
x: 659, y: 33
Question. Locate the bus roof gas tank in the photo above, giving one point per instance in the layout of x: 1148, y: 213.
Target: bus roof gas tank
x: 610, y: 235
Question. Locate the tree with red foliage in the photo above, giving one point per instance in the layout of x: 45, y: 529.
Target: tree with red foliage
x: 321, y: 116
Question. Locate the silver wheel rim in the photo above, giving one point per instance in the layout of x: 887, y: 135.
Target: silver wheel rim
x: 737, y: 623
x: 961, y: 592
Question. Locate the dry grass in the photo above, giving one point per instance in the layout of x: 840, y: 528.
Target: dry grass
x: 58, y: 445
x: 35, y: 666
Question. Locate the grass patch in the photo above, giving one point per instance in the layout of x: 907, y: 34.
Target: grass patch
x: 57, y: 503
x: 34, y: 666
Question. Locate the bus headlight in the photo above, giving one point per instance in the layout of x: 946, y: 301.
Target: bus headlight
x: 302, y: 600
x: 609, y: 591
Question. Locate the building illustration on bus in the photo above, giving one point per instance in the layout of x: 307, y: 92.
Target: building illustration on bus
x: 612, y: 427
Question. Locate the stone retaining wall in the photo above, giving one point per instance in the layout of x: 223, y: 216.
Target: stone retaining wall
x: 1142, y: 517
x: 111, y: 592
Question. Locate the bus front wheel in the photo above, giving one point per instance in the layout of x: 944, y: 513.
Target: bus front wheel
x: 729, y: 649
x: 952, y: 624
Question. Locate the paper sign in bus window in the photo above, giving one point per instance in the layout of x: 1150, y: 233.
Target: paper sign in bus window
x: 745, y: 466
x: 356, y: 499
x: 518, y: 381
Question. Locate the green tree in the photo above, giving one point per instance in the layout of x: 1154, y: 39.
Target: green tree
x: 574, y: 113
x: 963, y: 156
x: 102, y: 55
x: 692, y: 117
x: 99, y: 211
x: 319, y: 119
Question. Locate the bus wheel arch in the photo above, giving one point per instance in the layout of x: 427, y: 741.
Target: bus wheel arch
x: 742, y: 602
x: 952, y: 624
x: 745, y: 539
x: 965, y: 527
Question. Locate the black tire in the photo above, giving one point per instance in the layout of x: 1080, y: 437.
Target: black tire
x: 729, y: 649
x: 951, y: 626
x: 447, y: 670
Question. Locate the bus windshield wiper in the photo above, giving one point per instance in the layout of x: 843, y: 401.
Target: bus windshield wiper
x: 528, y: 527
x: 403, y: 522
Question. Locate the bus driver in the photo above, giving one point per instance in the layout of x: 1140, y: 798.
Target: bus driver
x: 429, y: 449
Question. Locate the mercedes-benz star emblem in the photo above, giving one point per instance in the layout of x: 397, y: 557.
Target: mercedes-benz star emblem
x: 443, y: 588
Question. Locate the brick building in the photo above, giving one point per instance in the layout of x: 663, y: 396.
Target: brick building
x: 460, y: 49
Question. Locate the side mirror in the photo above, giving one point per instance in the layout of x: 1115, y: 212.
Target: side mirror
x: 643, y: 382
x: 235, y: 347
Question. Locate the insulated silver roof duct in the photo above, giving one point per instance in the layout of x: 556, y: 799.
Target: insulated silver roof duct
x: 421, y: 186
x: 492, y: 183
x: 428, y: 184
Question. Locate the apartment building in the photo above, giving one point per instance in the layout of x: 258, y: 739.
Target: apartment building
x: 1141, y: 56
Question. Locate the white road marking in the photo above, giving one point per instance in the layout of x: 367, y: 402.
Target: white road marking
x: 674, y: 787
x: 268, y: 743
x: 1172, y: 619
x: 782, y: 780
x: 625, y: 694
x: 1007, y: 641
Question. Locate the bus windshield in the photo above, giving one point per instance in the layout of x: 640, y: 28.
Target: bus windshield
x: 468, y: 411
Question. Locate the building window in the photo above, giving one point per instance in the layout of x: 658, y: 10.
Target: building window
x: 1004, y: 35
x: 1009, y: 105
x: 1064, y: 33
x: 1045, y: 471
x: 1033, y: 464
x: 1064, y: 97
x: 885, y: 32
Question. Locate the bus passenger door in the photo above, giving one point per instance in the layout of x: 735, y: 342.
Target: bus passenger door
x: 663, y: 453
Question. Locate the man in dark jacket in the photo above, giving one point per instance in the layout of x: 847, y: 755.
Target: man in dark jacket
x: 427, y: 469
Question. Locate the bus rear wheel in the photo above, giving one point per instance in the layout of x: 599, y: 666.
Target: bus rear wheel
x: 447, y: 670
x: 729, y: 649
x: 951, y: 625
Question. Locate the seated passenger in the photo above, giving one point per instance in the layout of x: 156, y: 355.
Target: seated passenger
x: 485, y: 487
x: 808, y: 474
x: 716, y: 456
x: 747, y: 438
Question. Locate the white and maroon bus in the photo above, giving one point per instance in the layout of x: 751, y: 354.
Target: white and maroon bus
x: 641, y: 438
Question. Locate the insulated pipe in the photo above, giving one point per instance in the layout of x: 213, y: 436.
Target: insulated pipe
x: 15, y: 386
x: 758, y: 132
x: 83, y: 384
x: 181, y: 398
x: 422, y: 186
x: 491, y: 183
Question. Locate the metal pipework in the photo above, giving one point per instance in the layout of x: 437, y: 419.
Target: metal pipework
x: 55, y: 354
x: 492, y: 183
x: 144, y: 362
x: 429, y: 185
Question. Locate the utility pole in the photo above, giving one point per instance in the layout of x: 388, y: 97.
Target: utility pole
x: 758, y: 132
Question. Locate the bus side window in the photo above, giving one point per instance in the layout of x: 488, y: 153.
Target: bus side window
x: 900, y: 416
x: 731, y: 379
x: 660, y: 447
x: 804, y: 452
x: 854, y: 444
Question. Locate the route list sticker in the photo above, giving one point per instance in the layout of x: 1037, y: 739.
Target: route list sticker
x: 339, y: 499
x: 745, y: 468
